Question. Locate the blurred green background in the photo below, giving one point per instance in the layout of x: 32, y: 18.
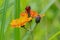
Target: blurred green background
x: 47, y: 29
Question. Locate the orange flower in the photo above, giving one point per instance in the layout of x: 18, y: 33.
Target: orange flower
x: 24, y: 14
x: 28, y: 19
x: 25, y: 17
x: 14, y: 23
x: 17, y: 23
x: 21, y: 21
x: 32, y: 13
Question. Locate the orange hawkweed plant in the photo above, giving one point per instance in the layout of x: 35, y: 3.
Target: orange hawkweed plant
x: 26, y: 17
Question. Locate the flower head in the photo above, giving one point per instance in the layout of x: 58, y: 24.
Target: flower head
x: 21, y: 21
x: 33, y: 13
x: 25, y: 17
x: 38, y: 18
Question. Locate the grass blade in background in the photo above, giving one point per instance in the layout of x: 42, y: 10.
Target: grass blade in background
x: 3, y: 19
x: 54, y: 35
x: 48, y: 6
x: 17, y: 12
x: 10, y: 4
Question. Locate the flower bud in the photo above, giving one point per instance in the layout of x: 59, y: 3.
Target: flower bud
x: 38, y: 18
x: 28, y: 8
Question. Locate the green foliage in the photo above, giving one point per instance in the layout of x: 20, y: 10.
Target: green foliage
x: 47, y: 29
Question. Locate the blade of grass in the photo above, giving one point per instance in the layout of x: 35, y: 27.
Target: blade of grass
x: 11, y: 4
x: 17, y: 12
x: 47, y: 7
x: 7, y: 29
x: 54, y: 35
x: 3, y: 19
x: 7, y: 23
x: 8, y: 18
x: 1, y: 9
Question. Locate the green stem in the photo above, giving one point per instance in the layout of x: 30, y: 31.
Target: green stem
x: 17, y: 12
x: 31, y: 35
x: 28, y: 33
x: 26, y: 29
x: 17, y: 34
x: 31, y: 31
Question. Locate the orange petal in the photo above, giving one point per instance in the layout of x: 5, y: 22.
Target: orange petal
x: 33, y: 13
x: 13, y: 23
